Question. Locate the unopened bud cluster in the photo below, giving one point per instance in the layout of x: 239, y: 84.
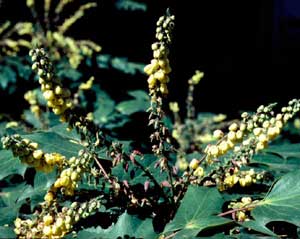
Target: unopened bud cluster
x: 29, y: 153
x: 245, y: 205
x: 57, y: 97
x: 159, y: 68
x: 55, y: 224
x: 261, y: 128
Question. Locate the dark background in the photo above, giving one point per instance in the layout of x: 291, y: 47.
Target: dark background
x: 249, y: 50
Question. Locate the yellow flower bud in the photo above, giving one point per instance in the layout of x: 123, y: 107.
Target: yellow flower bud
x: 151, y: 81
x: 49, y: 197
x: 263, y: 138
x: 218, y: 134
x: 58, y: 90
x: 37, y: 154
x: 241, y: 216
x: 239, y: 134
x: 279, y: 124
x: 214, y: 151
x: 34, y: 145
x: 74, y: 176
x: 159, y: 75
x: 223, y: 147
x: 257, y: 131
x: 233, y: 127
x: 48, y: 219
x: 65, y: 181
x: 231, y: 136
x: 182, y: 165
x: 199, y: 172
x: 47, y: 231
x: 48, y: 95
x: 163, y: 89
x: 246, y: 200
x: 194, y: 164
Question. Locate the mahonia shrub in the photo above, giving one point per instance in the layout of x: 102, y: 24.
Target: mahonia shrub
x: 69, y: 174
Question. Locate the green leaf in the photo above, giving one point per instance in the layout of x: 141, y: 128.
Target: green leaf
x: 135, y: 175
x: 10, y: 165
x: 21, y: 65
x: 42, y: 182
x: 11, y: 195
x: 140, y: 103
x: 198, y: 211
x: 7, y: 75
x: 11, y: 198
x: 66, y: 71
x: 52, y: 142
x: 281, y: 204
x: 7, y: 232
x: 30, y: 118
x: 8, y: 214
x: 120, y: 63
x: 277, y: 163
x: 285, y: 150
x: 139, y: 94
x: 61, y: 130
x: 104, y: 107
x: 131, y: 5
x: 126, y: 225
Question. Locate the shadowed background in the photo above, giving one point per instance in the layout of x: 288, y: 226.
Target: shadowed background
x: 249, y: 51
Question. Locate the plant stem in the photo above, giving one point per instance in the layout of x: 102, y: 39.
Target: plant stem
x: 171, y: 235
x: 146, y: 171
x: 237, y: 209
x: 103, y: 171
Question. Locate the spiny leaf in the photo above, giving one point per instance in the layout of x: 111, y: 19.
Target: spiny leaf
x: 277, y: 163
x: 281, y: 204
x: 198, y: 211
x: 104, y: 107
x: 140, y: 103
x: 42, y: 183
x: 285, y: 150
x: 127, y: 225
x: 52, y: 142
x: 7, y: 75
x: 11, y: 195
x: 10, y: 165
x: 7, y: 232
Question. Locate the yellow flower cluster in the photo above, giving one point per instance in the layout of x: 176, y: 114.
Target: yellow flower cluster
x: 235, y: 135
x: 87, y: 85
x: 159, y: 68
x: 174, y: 107
x: 196, y: 78
x: 246, y: 205
x: 29, y: 153
x: 31, y: 98
x: 9, y: 46
x: 69, y: 176
x: 68, y: 180
x: 260, y: 128
x: 55, y: 224
x: 77, y: 15
x: 243, y: 178
x: 74, y: 49
x: 57, y: 97
x: 268, y: 129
